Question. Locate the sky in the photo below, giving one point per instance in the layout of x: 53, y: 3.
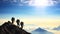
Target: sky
x: 34, y: 13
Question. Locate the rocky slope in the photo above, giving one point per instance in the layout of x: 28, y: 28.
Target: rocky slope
x: 9, y: 28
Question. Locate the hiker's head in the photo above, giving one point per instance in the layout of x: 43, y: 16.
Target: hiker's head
x: 17, y: 20
x: 21, y: 22
x: 12, y: 19
x: 9, y: 22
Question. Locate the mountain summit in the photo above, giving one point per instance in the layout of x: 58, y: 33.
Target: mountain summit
x: 41, y: 31
x: 9, y: 28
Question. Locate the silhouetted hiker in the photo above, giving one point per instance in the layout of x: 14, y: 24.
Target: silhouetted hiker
x: 22, y: 23
x: 9, y: 22
x: 12, y: 19
x: 17, y: 21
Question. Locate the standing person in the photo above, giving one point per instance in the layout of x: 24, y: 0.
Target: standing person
x: 12, y: 19
x: 22, y: 23
x: 17, y: 21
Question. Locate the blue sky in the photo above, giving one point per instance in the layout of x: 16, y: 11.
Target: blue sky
x: 14, y: 8
x: 6, y: 7
x: 27, y: 10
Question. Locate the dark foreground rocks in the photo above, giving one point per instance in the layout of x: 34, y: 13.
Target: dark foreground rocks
x: 9, y: 28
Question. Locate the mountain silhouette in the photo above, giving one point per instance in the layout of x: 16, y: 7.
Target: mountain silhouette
x: 9, y: 28
x: 41, y: 31
x: 57, y: 28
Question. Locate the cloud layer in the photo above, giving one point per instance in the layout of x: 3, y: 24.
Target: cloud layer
x: 30, y: 2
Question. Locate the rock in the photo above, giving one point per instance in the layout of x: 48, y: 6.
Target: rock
x: 9, y: 28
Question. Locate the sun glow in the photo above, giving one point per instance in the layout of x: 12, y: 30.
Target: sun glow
x: 41, y: 3
x: 40, y: 6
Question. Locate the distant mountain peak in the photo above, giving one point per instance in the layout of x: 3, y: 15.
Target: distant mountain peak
x: 57, y: 28
x: 40, y: 29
